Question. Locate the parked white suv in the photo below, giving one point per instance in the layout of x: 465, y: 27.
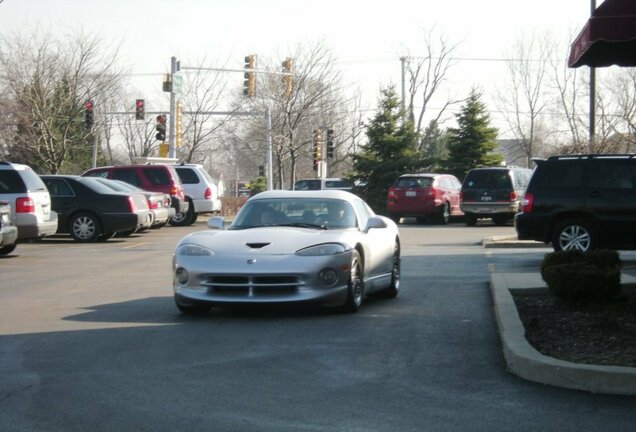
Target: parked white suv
x: 200, y: 191
x: 29, y: 200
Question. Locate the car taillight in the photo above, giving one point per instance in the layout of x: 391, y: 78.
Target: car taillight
x: 526, y: 203
x: 152, y: 204
x: 24, y: 205
x: 461, y: 196
x: 131, y: 204
x: 392, y: 195
x: 208, y: 193
x: 513, y: 196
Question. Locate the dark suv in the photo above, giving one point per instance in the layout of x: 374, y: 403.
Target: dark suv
x: 150, y: 177
x: 581, y: 202
x: 493, y: 193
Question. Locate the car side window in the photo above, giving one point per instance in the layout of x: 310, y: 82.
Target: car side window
x: 58, y: 188
x: 157, y: 176
x: 127, y: 175
x: 10, y: 182
x: 613, y: 174
x: 559, y: 176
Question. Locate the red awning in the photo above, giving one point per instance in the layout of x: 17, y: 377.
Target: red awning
x: 608, y: 38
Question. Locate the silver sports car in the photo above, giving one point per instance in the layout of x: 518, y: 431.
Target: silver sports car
x: 326, y: 247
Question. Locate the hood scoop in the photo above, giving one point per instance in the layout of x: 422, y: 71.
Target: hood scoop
x: 256, y: 245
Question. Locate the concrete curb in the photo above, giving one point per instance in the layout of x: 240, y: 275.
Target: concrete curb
x: 525, y: 361
x: 511, y: 242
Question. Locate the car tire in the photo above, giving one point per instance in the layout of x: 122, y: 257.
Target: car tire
x: 106, y: 236
x: 393, y: 289
x: 470, y: 219
x: 444, y: 214
x: 421, y: 220
x: 500, y: 220
x: 7, y: 249
x: 355, y: 292
x: 395, y: 218
x: 84, y: 227
x: 183, y: 219
x: 192, y: 309
x: 574, y: 234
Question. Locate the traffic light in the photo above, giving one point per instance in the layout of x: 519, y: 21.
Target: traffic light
x: 161, y: 128
x: 330, y: 145
x: 317, y: 148
x: 250, y: 77
x: 287, y: 78
x: 261, y: 170
x: 89, y: 115
x: 140, y: 110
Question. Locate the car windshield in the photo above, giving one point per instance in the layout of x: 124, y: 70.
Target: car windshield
x: 317, y: 213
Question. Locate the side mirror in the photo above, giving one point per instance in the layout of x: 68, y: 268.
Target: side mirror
x: 216, y: 222
x: 375, y: 222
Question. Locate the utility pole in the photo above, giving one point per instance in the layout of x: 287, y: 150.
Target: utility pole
x: 174, y: 68
x: 403, y: 61
x: 268, y: 127
x: 592, y: 95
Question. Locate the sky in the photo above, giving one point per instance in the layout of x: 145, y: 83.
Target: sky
x: 367, y: 37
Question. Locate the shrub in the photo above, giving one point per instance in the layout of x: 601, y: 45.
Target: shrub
x: 582, y: 277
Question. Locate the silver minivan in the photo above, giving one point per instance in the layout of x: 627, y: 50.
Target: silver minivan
x: 29, y: 200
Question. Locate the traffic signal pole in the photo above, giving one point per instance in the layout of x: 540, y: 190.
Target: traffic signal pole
x: 173, y: 110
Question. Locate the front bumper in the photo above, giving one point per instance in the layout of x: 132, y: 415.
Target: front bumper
x: 8, y: 235
x: 232, y: 280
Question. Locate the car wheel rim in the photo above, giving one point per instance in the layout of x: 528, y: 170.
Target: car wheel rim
x: 575, y: 237
x: 84, y: 227
x: 356, y: 283
x: 179, y: 217
x: 396, y: 268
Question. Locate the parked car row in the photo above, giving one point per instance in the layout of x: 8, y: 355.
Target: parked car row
x: 493, y: 192
x: 102, y: 202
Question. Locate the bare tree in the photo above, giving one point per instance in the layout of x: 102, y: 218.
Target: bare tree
x: 203, y: 120
x: 524, y: 99
x: 315, y: 102
x: 48, y: 81
x: 426, y: 74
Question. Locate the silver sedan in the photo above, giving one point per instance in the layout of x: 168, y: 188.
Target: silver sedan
x: 326, y: 247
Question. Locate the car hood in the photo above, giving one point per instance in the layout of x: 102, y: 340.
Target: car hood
x: 267, y: 240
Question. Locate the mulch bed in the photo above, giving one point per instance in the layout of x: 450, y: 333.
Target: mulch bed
x: 600, y: 333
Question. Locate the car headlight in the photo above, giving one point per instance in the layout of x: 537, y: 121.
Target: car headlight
x: 322, y: 249
x: 193, y: 250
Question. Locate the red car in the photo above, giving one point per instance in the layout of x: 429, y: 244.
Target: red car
x: 424, y: 197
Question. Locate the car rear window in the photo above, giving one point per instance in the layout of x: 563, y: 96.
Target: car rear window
x: 558, y: 175
x: 414, y: 182
x: 10, y: 182
x: 158, y: 176
x: 487, y: 179
x: 187, y: 176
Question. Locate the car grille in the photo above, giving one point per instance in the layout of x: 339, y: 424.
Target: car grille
x: 252, y: 286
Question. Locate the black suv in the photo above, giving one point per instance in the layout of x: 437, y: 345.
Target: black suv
x: 581, y: 202
x: 493, y: 193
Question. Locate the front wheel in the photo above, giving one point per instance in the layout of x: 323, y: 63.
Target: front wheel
x: 84, y: 227
x: 574, y: 234
x: 393, y: 289
x: 356, y: 285
x: 7, y: 249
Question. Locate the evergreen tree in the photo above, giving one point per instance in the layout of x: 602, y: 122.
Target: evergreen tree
x: 434, y: 147
x: 473, y: 142
x: 389, y: 152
